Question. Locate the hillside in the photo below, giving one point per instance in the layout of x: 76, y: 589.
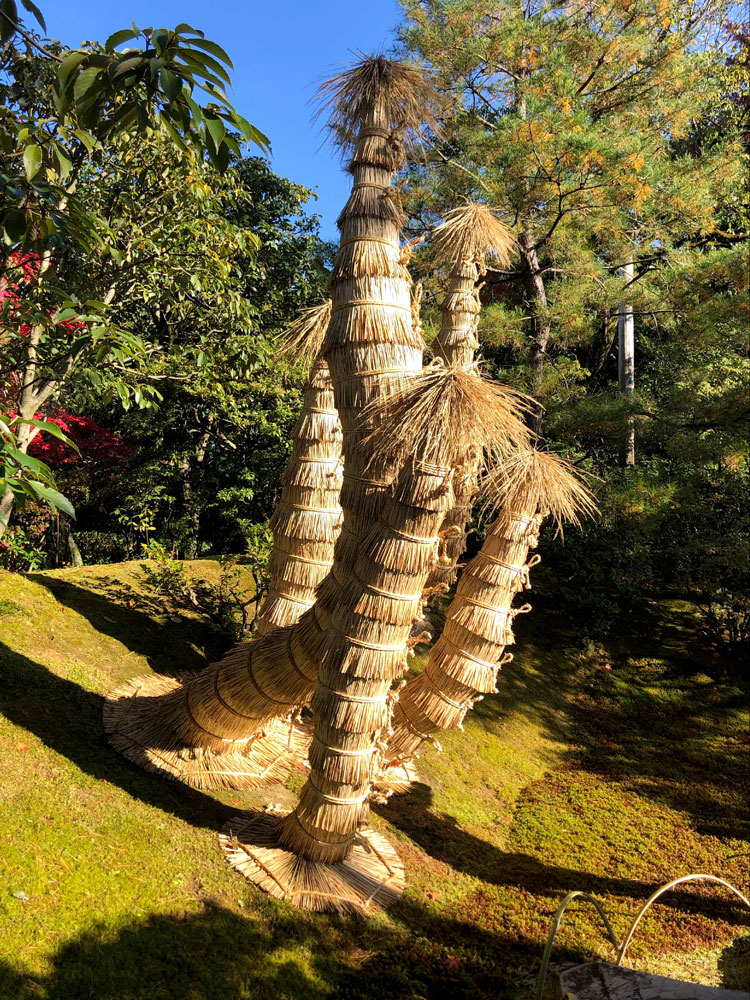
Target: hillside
x: 611, y: 770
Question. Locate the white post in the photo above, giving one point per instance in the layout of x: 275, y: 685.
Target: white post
x: 626, y: 364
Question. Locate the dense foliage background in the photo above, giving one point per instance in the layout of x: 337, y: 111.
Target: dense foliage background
x: 150, y: 261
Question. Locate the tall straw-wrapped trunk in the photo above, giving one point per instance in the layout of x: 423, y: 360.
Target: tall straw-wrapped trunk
x: 462, y: 242
x: 307, y: 520
x: 371, y: 348
x: 315, y: 859
x: 464, y: 662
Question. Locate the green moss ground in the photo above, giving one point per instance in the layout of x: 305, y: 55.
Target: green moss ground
x: 610, y: 771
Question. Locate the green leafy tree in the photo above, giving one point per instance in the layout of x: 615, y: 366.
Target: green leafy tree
x: 208, y: 465
x: 571, y: 120
x: 66, y: 114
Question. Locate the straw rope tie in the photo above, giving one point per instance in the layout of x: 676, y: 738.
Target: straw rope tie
x: 257, y: 687
x: 324, y: 843
x: 516, y: 515
x: 444, y: 697
x: 389, y: 593
x: 336, y: 800
x: 370, y: 302
x: 358, y: 698
x: 318, y: 409
x: 368, y: 645
x: 317, y: 461
x: 346, y: 753
x: 317, y: 510
x: 369, y: 184
x: 295, y: 665
x: 226, y: 705
x: 369, y: 239
x: 197, y: 724
x: 367, y: 374
x: 368, y: 130
x: 288, y: 597
x: 488, y: 607
x: 412, y: 538
x: 304, y: 559
x: 468, y: 656
x: 423, y: 736
x: 367, y: 482
x: 501, y: 562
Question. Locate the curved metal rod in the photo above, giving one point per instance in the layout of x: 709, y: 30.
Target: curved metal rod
x: 541, y: 979
x: 652, y: 899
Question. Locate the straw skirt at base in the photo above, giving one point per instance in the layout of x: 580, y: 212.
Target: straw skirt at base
x: 369, y: 879
x: 263, y: 759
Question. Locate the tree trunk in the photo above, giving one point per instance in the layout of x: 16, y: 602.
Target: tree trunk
x: 193, y: 513
x: 76, y: 559
x: 626, y: 367
x: 536, y: 296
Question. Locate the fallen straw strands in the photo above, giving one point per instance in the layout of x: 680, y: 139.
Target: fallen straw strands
x: 370, y: 878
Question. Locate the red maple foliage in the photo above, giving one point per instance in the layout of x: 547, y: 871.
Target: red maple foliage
x: 94, y: 443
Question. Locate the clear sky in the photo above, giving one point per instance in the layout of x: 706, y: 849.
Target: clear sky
x: 280, y: 49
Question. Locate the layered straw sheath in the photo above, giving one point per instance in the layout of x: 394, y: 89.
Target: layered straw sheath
x: 446, y: 413
x: 371, y: 349
x: 307, y: 521
x: 462, y: 243
x: 464, y: 662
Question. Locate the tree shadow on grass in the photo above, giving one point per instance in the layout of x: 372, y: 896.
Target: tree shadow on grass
x: 218, y: 954
x: 685, y: 748
x: 440, y: 836
x: 68, y: 719
x: 168, y: 646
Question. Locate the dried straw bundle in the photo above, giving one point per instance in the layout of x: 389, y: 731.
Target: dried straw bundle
x: 463, y: 664
x: 401, y: 95
x: 444, y: 414
x: 370, y: 348
x: 463, y: 242
x: 260, y: 760
x: 370, y: 878
x: 307, y: 521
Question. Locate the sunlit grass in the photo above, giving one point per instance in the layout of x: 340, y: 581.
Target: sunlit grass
x: 612, y: 770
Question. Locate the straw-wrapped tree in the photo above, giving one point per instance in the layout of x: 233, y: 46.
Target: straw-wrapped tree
x: 468, y: 235
x: 219, y: 726
x: 307, y: 520
x: 319, y: 856
x: 464, y: 662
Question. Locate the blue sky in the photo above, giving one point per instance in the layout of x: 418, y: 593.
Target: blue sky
x: 279, y: 48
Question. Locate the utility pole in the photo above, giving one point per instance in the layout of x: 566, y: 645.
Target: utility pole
x: 626, y: 365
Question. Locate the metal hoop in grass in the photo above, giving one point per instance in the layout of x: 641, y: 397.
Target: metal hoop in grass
x: 665, y: 888
x: 542, y: 978
x: 621, y: 949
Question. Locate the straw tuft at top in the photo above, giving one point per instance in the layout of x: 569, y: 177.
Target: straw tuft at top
x: 449, y: 416
x: 303, y: 337
x: 401, y: 93
x: 471, y: 233
x: 543, y: 478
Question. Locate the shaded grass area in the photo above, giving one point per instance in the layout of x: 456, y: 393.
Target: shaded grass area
x: 611, y: 770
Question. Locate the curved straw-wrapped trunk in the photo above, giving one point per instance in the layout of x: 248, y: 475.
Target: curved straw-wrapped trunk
x: 464, y: 662
x: 370, y: 348
x: 307, y: 520
x: 456, y: 344
x: 368, y: 633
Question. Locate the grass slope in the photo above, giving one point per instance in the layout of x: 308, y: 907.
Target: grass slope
x: 611, y: 771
